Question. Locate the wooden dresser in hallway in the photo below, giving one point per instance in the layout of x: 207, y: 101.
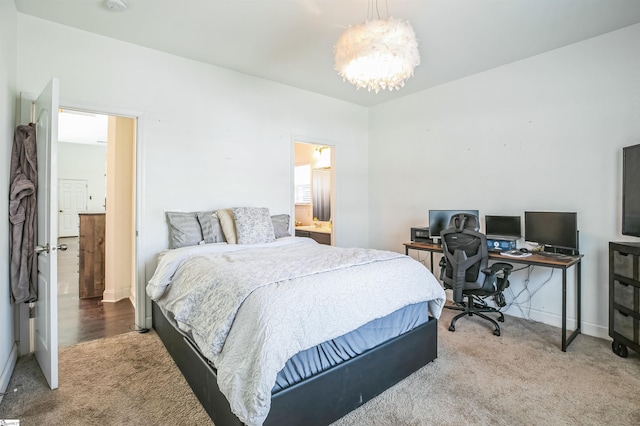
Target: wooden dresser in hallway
x: 91, y: 255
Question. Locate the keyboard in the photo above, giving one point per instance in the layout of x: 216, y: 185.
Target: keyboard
x: 553, y: 255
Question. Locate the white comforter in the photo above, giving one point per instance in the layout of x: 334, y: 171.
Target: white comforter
x: 250, y: 308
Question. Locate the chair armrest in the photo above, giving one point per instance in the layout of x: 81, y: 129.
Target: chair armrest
x: 500, y: 282
x: 498, y: 267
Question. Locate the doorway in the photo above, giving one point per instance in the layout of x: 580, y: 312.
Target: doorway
x: 91, y: 304
x: 314, y: 191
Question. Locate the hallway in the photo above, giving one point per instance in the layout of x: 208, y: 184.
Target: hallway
x: 81, y: 320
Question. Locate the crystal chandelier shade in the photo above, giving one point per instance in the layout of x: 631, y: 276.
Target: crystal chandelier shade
x: 377, y: 55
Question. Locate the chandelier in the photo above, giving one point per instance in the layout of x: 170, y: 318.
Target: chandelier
x: 377, y: 54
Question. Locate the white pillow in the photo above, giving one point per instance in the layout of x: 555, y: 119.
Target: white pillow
x: 227, y: 223
x: 253, y: 225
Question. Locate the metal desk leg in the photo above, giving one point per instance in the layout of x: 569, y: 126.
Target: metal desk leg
x: 406, y: 251
x: 579, y: 296
x: 566, y: 341
x: 564, y: 310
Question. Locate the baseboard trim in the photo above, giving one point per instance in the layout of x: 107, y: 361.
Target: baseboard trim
x: 595, y: 330
x: 117, y: 295
x: 7, y: 370
x: 588, y: 328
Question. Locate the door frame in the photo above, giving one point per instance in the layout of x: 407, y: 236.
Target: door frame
x: 319, y: 142
x: 25, y: 332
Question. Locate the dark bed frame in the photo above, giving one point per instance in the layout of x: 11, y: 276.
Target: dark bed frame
x: 318, y: 400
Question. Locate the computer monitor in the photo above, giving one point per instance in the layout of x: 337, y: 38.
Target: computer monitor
x: 552, y: 229
x: 439, y: 220
x: 504, y: 227
x: 630, y: 193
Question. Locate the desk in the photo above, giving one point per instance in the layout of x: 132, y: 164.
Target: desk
x: 533, y: 260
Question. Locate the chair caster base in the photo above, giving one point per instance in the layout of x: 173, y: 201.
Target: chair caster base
x: 479, y: 311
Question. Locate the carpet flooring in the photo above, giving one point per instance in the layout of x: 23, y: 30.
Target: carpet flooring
x: 519, y: 378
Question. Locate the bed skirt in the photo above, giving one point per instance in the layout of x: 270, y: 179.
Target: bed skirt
x: 320, y: 399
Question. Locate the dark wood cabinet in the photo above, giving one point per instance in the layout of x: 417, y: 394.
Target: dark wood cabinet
x: 320, y: 237
x: 91, y: 255
x: 624, y: 296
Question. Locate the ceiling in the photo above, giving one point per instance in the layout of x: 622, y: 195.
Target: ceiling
x: 291, y: 41
x: 82, y: 127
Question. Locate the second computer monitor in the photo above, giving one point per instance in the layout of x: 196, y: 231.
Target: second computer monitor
x: 439, y: 220
x: 503, y: 227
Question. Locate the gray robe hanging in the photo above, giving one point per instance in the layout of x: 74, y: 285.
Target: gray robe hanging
x: 22, y: 216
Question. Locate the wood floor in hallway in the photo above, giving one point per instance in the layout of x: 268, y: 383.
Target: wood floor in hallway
x: 81, y: 320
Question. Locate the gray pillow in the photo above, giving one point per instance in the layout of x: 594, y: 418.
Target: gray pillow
x: 281, y: 225
x: 211, y: 229
x: 184, y: 229
x: 253, y: 225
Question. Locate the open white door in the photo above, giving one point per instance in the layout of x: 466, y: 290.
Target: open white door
x: 46, y: 308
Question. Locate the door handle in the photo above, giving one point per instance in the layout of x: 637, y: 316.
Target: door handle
x: 40, y: 249
x: 47, y: 248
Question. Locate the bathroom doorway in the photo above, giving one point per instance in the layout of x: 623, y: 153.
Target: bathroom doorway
x: 314, y: 191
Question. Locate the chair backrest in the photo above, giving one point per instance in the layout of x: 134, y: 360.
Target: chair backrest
x: 466, y: 255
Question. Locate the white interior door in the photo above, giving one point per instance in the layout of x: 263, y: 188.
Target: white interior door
x: 46, y: 308
x: 72, y: 199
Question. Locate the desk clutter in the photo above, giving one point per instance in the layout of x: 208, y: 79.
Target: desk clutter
x: 549, y: 233
x: 515, y: 253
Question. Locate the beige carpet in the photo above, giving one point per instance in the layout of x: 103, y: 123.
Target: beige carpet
x: 128, y: 379
x: 520, y: 378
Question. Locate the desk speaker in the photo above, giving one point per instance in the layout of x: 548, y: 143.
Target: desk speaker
x: 420, y: 235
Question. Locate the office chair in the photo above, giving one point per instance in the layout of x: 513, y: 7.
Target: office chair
x: 464, y: 269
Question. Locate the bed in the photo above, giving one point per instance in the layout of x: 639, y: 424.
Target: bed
x: 281, y: 330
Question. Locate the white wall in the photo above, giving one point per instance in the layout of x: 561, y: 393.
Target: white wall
x: 209, y: 137
x: 8, y: 53
x: 88, y: 162
x: 214, y: 138
x: 119, y: 277
x: 556, y: 122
